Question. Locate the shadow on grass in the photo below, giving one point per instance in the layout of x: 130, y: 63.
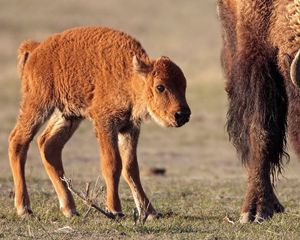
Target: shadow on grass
x: 173, y: 223
x: 170, y: 214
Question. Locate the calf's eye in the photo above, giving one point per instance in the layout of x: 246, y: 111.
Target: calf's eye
x: 160, y: 88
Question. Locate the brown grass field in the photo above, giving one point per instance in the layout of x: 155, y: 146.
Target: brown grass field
x: 204, y: 181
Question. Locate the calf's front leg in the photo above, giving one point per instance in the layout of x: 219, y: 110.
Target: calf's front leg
x: 128, y: 141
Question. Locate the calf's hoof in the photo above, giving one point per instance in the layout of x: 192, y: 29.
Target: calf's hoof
x: 115, y: 214
x: 150, y: 214
x: 154, y: 215
x: 24, y: 211
x: 69, y: 212
x: 118, y: 215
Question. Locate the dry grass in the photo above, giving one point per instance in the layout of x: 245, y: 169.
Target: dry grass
x: 204, y: 182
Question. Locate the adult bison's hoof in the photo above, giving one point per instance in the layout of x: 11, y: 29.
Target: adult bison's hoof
x: 257, y: 217
x: 260, y: 210
x: 246, y: 217
x: 268, y: 213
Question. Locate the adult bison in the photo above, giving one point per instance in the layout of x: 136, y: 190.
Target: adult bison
x: 261, y: 62
x: 104, y: 75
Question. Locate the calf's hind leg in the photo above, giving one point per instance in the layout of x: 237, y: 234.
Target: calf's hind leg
x: 128, y: 141
x: 51, y: 143
x: 31, y: 117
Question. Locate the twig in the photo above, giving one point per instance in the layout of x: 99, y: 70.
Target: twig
x: 65, y: 229
x: 95, y: 186
x: 294, y: 214
x: 87, y: 190
x: 87, y: 212
x: 85, y: 200
x: 227, y: 219
x: 30, y: 233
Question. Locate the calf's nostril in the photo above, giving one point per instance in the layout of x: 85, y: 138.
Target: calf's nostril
x: 178, y: 115
x: 182, y: 115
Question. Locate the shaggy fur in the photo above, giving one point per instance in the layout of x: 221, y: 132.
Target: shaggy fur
x: 260, y: 40
x: 100, y: 74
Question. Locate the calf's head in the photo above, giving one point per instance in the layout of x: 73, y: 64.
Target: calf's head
x: 163, y: 91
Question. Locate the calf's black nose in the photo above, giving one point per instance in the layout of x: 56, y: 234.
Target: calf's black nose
x: 182, y: 116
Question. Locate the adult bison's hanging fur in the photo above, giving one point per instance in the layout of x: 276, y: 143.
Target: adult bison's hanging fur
x: 260, y: 60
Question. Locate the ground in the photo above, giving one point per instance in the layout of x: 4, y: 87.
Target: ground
x: 204, y: 185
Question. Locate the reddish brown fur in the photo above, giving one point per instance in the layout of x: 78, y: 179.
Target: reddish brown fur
x: 100, y: 74
x: 260, y: 40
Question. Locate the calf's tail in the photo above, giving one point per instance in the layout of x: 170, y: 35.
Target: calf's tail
x: 25, y: 49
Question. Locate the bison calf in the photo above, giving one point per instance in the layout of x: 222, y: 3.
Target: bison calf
x: 103, y: 75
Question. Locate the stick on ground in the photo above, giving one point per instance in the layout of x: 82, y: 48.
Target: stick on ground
x: 85, y: 199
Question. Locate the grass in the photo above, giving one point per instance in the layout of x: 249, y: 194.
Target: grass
x: 204, y: 182
x: 197, y: 211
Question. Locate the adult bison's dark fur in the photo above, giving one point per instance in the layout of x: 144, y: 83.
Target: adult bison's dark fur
x: 261, y: 39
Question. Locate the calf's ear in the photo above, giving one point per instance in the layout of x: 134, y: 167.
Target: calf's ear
x: 163, y: 58
x: 140, y: 67
x: 295, y: 70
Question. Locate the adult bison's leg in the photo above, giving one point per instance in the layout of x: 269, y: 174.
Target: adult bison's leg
x: 128, y: 140
x: 111, y: 164
x: 256, y: 126
x: 51, y: 143
x: 32, y: 116
x: 260, y: 201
